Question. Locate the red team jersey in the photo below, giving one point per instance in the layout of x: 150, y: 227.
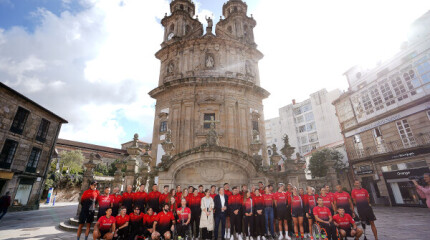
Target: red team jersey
x: 164, y: 198
x: 322, y: 212
x: 281, y: 199
x: 164, y: 220
x: 148, y: 220
x: 310, y: 201
x: 258, y: 202
x: 327, y: 200
x: 235, y: 202
x: 268, y: 200
x: 104, y: 201
x: 296, y: 203
x: 228, y: 193
x: 248, y: 206
x: 139, y: 199
x: 120, y: 220
x: 183, y: 214
x: 153, y: 200
x: 136, y: 219
x: 344, y: 222
x: 116, y: 199
x: 127, y: 200
x: 201, y: 195
x: 88, y: 197
x: 213, y: 195
x: 342, y: 200
x: 105, y: 223
x: 288, y: 194
x: 360, y: 196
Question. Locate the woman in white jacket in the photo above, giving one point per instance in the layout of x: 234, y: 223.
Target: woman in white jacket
x: 207, y: 217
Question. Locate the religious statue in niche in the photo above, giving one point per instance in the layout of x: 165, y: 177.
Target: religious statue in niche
x: 170, y: 68
x: 210, y: 61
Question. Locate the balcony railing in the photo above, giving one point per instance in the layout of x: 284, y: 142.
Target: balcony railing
x: 390, y: 147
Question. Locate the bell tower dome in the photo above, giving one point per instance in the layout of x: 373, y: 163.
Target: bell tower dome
x: 236, y: 25
x: 181, y: 24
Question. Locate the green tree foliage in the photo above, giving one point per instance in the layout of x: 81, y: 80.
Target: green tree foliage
x: 318, y: 164
x: 71, y: 162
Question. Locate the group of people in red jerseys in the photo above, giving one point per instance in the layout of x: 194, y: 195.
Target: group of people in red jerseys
x: 245, y: 213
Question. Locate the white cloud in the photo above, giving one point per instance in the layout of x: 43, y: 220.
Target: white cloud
x: 309, y: 44
x: 94, y: 68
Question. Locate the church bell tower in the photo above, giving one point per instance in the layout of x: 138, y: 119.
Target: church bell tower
x: 209, y: 122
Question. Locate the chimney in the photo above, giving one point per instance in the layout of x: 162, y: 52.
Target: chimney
x: 294, y: 101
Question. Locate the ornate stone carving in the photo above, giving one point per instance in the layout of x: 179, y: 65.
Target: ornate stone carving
x: 167, y: 144
x: 210, y: 61
x: 211, y: 174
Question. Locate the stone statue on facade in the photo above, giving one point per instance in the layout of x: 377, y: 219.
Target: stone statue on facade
x: 210, y: 62
x: 210, y: 22
x: 212, y: 137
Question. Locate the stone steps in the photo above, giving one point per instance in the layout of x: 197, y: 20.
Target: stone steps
x: 72, y: 224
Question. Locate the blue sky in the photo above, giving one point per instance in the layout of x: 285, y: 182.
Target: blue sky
x: 92, y: 61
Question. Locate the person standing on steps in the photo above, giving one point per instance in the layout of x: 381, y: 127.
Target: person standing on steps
x: 88, y: 208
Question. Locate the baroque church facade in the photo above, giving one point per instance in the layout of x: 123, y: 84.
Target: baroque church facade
x: 209, y: 122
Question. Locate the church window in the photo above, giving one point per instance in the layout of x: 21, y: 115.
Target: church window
x: 255, y: 125
x: 172, y: 27
x: 19, y: 120
x: 181, y: 7
x: 33, y: 160
x: 7, y: 153
x: 208, y: 117
x: 163, y: 126
x: 43, y: 130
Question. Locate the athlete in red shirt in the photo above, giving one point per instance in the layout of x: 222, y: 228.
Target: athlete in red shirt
x: 235, y: 203
x: 105, y: 201
x: 194, y: 204
x: 127, y: 199
x: 201, y: 192
x: 227, y: 219
x: 164, y: 223
x: 140, y: 198
x: 122, y: 220
x: 310, y: 201
x: 248, y: 206
x: 364, y: 209
x: 323, y: 217
x: 341, y: 199
x: 213, y: 192
x: 184, y: 218
x: 244, y: 190
x: 154, y: 199
x: 105, y: 226
x: 136, y: 227
x: 346, y: 224
x: 297, y: 213
x: 88, y: 207
x: 281, y: 203
x: 148, y: 223
x: 164, y: 197
x: 261, y: 188
x: 327, y: 200
x: 178, y: 193
x: 259, y: 213
x: 116, y: 201
x: 268, y: 211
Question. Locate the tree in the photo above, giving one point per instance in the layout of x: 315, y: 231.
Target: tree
x: 72, y: 161
x: 287, y: 150
x: 319, y: 160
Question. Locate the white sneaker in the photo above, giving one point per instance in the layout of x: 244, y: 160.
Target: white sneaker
x: 239, y: 236
x: 258, y: 238
x: 287, y: 237
x: 232, y: 237
x: 247, y: 238
x: 263, y: 237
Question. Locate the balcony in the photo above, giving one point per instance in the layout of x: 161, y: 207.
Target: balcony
x: 393, y: 149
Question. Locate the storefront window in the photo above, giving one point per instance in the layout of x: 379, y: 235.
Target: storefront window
x: 23, y: 192
x: 404, y: 192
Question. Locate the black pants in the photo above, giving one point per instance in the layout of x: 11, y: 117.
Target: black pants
x: 122, y: 234
x: 220, y: 218
x: 3, y: 212
x: 195, y: 222
x: 330, y: 229
x: 182, y: 229
x: 259, y: 225
x: 206, y: 234
x: 236, y: 223
x: 249, y: 223
x: 290, y: 221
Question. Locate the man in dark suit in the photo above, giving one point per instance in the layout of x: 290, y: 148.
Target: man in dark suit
x: 220, y: 211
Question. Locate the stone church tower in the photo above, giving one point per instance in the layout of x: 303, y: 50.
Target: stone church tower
x: 209, y: 123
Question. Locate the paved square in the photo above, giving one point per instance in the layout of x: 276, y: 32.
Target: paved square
x: 397, y: 223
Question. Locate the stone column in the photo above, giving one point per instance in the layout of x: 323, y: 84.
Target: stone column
x: 87, y: 179
x: 118, y: 178
x: 130, y: 172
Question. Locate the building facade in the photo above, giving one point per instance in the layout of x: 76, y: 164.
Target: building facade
x: 28, y: 133
x: 209, y: 113
x: 309, y: 124
x: 385, y: 120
